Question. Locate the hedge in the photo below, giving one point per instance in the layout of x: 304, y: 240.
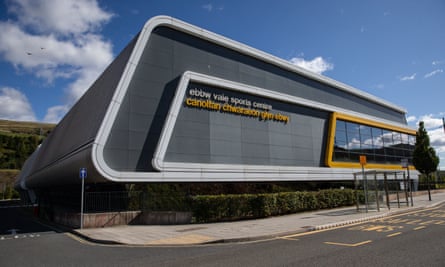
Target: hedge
x: 234, y: 207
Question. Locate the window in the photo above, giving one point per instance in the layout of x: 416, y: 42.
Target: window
x: 381, y: 145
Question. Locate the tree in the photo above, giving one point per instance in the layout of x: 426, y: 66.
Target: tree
x: 424, y: 156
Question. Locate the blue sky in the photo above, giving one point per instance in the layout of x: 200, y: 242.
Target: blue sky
x: 51, y: 51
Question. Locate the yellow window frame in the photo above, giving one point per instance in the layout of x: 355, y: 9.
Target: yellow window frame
x: 349, y: 118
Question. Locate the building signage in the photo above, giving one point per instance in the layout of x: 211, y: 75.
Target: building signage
x: 200, y: 98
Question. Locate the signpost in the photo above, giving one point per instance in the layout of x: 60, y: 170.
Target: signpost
x: 365, y: 181
x: 405, y: 164
x: 82, y: 176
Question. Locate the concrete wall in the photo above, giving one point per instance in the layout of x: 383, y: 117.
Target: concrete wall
x: 106, y: 219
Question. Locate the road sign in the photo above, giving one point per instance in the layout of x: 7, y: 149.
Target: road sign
x: 363, y: 160
x: 83, y: 173
x: 83, y: 176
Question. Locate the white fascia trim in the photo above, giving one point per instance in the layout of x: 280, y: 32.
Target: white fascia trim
x: 166, y: 134
x: 202, y: 175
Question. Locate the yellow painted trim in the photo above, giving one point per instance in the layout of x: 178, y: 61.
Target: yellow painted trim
x: 331, y: 141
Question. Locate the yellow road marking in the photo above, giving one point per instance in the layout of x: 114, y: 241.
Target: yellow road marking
x: 349, y: 245
x: 289, y: 238
x: 395, y: 234
x: 375, y: 228
x: 420, y: 227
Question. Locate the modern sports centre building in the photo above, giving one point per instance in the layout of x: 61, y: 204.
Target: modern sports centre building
x: 182, y: 104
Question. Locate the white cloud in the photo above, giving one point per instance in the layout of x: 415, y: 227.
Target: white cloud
x: 379, y: 86
x: 430, y: 121
x: 57, y: 40
x: 317, y: 65
x: 408, y: 78
x: 431, y: 74
x: 56, y: 113
x: 208, y: 7
x: 411, y: 118
x: 15, y: 106
x: 434, y: 126
x: 61, y: 17
x: 437, y: 62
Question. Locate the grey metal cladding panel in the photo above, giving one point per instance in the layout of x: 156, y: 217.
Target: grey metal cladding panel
x: 225, y: 133
x: 148, y: 73
x: 225, y: 148
x: 192, y: 146
x: 80, y: 125
x: 145, y: 106
x: 189, y: 129
x: 255, y: 151
x: 190, y: 141
x: 230, y: 159
x: 255, y: 137
x: 140, y: 103
x: 276, y: 77
x: 160, y: 59
x: 225, y: 119
x: 181, y: 157
x: 280, y: 139
x: 139, y: 122
x: 282, y: 152
x: 118, y: 158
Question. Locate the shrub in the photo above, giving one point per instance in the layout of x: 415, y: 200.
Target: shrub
x: 234, y: 207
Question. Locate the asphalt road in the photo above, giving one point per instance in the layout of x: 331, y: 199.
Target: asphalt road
x: 412, y: 239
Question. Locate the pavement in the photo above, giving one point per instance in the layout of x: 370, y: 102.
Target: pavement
x: 249, y: 230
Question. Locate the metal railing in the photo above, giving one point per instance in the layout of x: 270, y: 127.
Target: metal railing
x: 134, y: 200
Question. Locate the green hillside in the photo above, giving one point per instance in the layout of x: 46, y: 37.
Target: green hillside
x: 18, y: 140
x: 19, y: 127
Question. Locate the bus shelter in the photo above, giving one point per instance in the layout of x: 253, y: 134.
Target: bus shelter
x: 376, y: 188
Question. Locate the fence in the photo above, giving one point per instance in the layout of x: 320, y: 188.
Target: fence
x: 134, y: 200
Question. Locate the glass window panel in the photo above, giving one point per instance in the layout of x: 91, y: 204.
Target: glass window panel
x: 341, y: 155
x: 397, y: 138
x: 340, y: 136
x: 341, y: 145
x: 387, y: 138
x: 399, y: 152
x: 352, y: 128
x: 367, y: 140
x: 367, y: 147
x: 405, y: 138
x: 340, y: 126
x: 380, y: 158
x: 377, y: 136
x: 412, y: 140
x: 365, y: 130
x: 354, y: 157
